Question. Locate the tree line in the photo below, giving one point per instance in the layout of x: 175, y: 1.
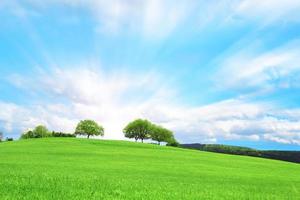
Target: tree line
x: 2, y: 138
x: 291, y: 156
x: 139, y: 129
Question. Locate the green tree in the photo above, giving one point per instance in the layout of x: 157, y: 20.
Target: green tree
x: 161, y: 134
x: 41, y: 131
x: 38, y: 132
x: 28, y: 134
x: 1, y: 136
x: 173, y: 142
x: 138, y: 129
x: 89, y: 127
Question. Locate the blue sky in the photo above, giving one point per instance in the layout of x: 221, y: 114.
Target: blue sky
x: 223, y: 71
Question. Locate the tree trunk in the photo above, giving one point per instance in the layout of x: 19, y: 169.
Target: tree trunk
x: 158, y: 142
x: 142, y: 140
x: 88, y: 136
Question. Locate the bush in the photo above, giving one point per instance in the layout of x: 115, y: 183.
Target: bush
x: 173, y: 143
x: 61, y: 134
x: 9, y: 139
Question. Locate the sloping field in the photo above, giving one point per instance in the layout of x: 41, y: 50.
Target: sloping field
x: 70, y: 168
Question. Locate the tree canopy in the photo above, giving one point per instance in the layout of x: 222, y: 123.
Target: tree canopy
x: 41, y: 131
x: 144, y: 129
x: 173, y: 142
x: 38, y: 132
x: 138, y: 129
x: 161, y: 134
x: 89, y: 127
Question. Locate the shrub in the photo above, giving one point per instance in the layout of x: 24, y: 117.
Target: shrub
x: 173, y: 143
x: 61, y: 134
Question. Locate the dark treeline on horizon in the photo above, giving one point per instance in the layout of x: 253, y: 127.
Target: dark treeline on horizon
x: 290, y: 156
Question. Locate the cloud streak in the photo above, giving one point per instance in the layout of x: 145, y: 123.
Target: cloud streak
x: 156, y: 19
x: 249, y: 69
x: 269, y: 11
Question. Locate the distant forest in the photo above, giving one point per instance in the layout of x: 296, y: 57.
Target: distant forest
x: 290, y: 156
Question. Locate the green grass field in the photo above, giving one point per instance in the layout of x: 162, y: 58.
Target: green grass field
x: 70, y: 168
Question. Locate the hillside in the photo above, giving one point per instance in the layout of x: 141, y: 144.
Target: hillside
x: 70, y: 168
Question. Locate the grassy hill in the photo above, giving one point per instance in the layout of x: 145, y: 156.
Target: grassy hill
x: 70, y: 168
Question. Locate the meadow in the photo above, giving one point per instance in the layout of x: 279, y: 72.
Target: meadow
x: 71, y: 168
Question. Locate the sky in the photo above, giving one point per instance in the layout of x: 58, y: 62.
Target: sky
x: 219, y: 71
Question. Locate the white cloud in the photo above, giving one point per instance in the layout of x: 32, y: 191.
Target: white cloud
x: 18, y: 118
x: 269, y: 11
x: 156, y: 19
x: 114, y: 98
x: 278, y: 67
x: 153, y: 18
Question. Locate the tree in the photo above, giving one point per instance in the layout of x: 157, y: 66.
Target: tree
x: 173, y: 142
x: 38, y: 132
x: 89, y: 127
x: 1, y: 136
x: 138, y: 129
x: 41, y: 131
x: 161, y: 134
x: 28, y: 134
